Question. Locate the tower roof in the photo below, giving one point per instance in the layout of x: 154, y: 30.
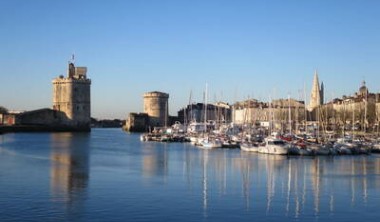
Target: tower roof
x: 315, y: 81
x: 315, y: 97
x: 363, y: 90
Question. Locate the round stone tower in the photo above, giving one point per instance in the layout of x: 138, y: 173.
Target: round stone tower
x: 156, y: 106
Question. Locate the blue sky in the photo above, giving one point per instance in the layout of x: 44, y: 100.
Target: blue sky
x: 241, y: 49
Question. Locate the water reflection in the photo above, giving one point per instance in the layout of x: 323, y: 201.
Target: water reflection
x: 204, y: 161
x: 269, y: 185
x: 155, y: 159
x: 69, y: 168
x: 291, y: 187
x: 176, y: 182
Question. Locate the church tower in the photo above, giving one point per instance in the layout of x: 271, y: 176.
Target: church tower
x: 71, y: 95
x: 363, y: 91
x: 316, y: 98
x: 322, y: 93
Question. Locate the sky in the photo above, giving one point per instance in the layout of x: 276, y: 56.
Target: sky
x: 239, y: 49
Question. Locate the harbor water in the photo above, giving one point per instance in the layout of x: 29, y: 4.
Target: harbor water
x: 110, y: 175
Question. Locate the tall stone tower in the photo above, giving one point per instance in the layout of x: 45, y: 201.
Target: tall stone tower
x: 71, y: 95
x: 157, y: 108
x: 316, y: 94
x: 363, y: 91
x: 322, y: 93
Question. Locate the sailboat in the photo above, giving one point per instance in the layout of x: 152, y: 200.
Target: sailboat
x: 271, y: 144
x: 208, y: 142
x: 249, y: 146
x: 274, y: 146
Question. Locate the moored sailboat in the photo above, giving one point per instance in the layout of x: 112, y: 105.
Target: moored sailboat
x: 274, y: 146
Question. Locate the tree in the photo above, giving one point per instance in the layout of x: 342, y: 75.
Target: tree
x: 3, y: 110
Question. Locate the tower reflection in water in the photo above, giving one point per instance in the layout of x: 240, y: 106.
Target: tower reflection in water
x: 154, y: 160
x: 69, y: 168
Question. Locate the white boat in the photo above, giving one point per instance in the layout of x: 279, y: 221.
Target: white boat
x: 178, y: 127
x: 194, y: 140
x: 208, y: 143
x: 196, y: 128
x: 250, y: 147
x: 274, y: 146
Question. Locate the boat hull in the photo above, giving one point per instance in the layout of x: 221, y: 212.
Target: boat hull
x: 273, y: 149
x: 249, y: 147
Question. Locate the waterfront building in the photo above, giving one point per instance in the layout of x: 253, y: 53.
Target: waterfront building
x: 359, y: 111
x: 219, y: 112
x: 279, y: 114
x: 8, y: 119
x: 71, y: 95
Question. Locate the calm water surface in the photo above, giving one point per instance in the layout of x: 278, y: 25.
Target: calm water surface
x: 109, y: 175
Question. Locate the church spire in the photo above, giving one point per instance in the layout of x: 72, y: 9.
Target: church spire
x: 315, y: 97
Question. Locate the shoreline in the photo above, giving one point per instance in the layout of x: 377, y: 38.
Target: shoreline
x: 39, y: 128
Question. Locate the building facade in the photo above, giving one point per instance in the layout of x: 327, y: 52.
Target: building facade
x: 357, y: 112
x: 197, y: 112
x: 281, y: 114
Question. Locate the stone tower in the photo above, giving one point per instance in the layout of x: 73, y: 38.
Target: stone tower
x: 316, y: 94
x: 363, y: 90
x: 156, y: 106
x: 322, y: 93
x: 71, y: 95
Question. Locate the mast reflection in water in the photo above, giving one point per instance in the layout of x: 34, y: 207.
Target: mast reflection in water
x: 108, y: 175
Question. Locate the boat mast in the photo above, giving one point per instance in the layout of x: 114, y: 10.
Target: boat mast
x: 185, y: 116
x: 365, y: 112
x: 344, y: 119
x: 377, y: 117
x: 353, y: 120
x: 290, y: 116
x: 377, y: 114
x: 318, y: 123
x: 305, y: 110
x: 189, y: 117
x: 205, y: 115
x: 166, y: 114
x: 270, y: 116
